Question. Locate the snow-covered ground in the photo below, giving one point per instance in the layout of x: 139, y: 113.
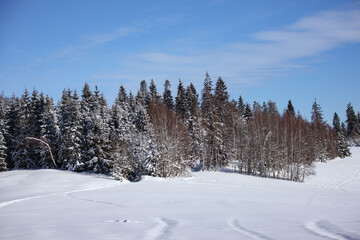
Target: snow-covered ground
x: 52, y: 204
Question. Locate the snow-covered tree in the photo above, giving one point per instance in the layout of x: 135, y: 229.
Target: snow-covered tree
x: 70, y: 136
x: 49, y: 133
x: 98, y: 148
x: 343, y: 149
x: 12, y: 130
x: 167, y: 97
x: 172, y: 141
x: 2, y: 153
x: 143, y: 95
x: 24, y: 155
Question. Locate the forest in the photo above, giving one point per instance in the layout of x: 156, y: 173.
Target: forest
x: 159, y: 135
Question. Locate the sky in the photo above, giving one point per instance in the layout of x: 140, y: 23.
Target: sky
x: 263, y: 50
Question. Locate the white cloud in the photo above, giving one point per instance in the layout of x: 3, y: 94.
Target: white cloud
x: 272, y: 53
x: 98, y: 39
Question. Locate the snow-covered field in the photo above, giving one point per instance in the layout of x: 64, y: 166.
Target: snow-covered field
x: 52, y: 204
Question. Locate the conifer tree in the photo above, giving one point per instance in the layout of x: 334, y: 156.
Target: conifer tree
x: 318, y: 125
x: 180, y: 99
x: 99, y: 140
x: 143, y: 94
x: 241, y: 105
x: 3, y: 130
x: 70, y: 132
x: 343, y: 149
x: 13, y: 129
x: 154, y: 95
x: 167, y: 97
x: 336, y: 123
x: 2, y: 153
x: 248, y: 111
x: 23, y: 156
x: 290, y: 109
x: 49, y: 133
x: 353, y: 130
x: 121, y: 135
x: 36, y: 110
x: 192, y: 101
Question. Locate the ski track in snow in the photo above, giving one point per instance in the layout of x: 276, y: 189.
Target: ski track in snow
x: 235, y: 225
x: 7, y: 203
x: 336, y: 183
x: 330, y: 231
x: 71, y: 195
x: 162, y: 230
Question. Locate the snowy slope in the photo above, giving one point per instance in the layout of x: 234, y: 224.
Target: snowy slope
x: 52, y: 204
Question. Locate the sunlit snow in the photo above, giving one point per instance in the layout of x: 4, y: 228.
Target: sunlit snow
x: 53, y: 204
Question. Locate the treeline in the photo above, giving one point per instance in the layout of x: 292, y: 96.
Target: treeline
x: 151, y: 134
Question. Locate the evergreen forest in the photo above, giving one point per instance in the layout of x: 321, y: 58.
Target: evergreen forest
x: 168, y: 136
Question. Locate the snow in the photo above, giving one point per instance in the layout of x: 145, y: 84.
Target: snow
x: 53, y: 204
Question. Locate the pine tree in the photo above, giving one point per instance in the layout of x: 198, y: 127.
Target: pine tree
x: 3, y: 131
x: 122, y: 96
x: 12, y: 129
x: 180, y: 100
x: 353, y: 130
x: 336, y: 123
x: 343, y: 149
x: 70, y: 132
x: 221, y: 94
x: 192, y: 101
x: 2, y: 153
x: 99, y: 150
x: 241, y: 105
x: 154, y: 95
x: 318, y: 130
x: 143, y: 95
x: 36, y: 109
x: 290, y: 109
x: 23, y: 156
x: 167, y: 97
x: 247, y: 112
x: 121, y: 135
x: 222, y: 106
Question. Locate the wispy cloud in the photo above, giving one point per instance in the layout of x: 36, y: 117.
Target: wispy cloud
x: 270, y: 54
x: 80, y: 51
x: 98, y: 39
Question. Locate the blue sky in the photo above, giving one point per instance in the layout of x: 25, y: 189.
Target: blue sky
x: 277, y: 50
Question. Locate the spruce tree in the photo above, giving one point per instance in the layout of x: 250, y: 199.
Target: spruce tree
x: 12, y: 130
x: 23, y: 156
x: 343, y: 149
x: 99, y: 151
x: 336, y: 123
x: 70, y: 136
x: 221, y: 94
x: 2, y: 153
x: 154, y: 95
x: 49, y: 133
x: 318, y: 132
x: 241, y: 105
x: 248, y: 112
x: 290, y: 109
x: 143, y: 94
x: 353, y: 130
x: 192, y: 101
x: 167, y: 97
x: 180, y: 99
